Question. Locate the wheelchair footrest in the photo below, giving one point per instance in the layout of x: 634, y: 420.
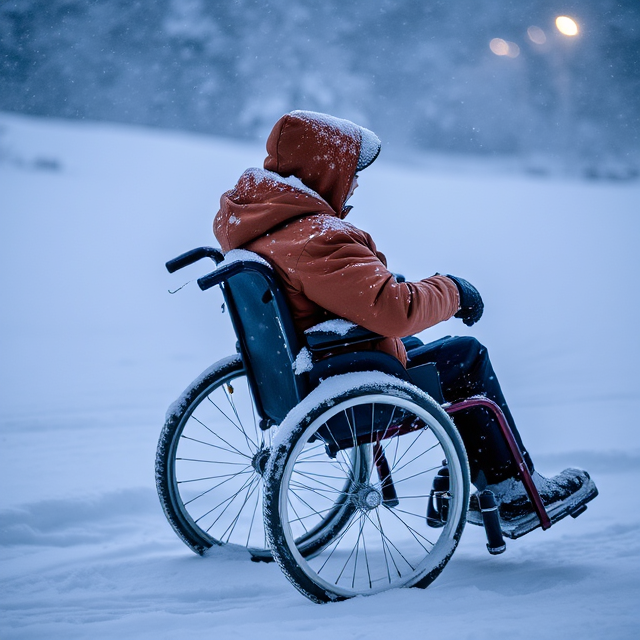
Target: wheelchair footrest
x: 557, y: 511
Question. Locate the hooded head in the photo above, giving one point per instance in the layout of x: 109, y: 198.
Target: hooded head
x: 322, y: 151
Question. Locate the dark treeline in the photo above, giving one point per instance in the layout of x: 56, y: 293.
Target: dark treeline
x: 420, y: 73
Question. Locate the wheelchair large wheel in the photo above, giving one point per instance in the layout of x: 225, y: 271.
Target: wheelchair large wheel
x: 385, y: 541
x: 210, y: 462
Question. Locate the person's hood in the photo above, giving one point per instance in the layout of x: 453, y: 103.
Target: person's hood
x: 324, y: 152
x: 260, y: 202
x: 312, y: 160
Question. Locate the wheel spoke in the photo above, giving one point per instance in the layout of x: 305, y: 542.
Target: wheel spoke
x: 298, y: 519
x: 420, y: 473
x: 352, y: 428
x: 305, y: 457
x: 307, y: 476
x: 204, y: 493
x: 253, y: 518
x: 366, y: 558
x: 235, y: 464
x: 422, y: 431
x: 388, y: 544
x: 228, y: 500
x: 336, y: 542
x: 312, y: 515
x: 304, y: 502
x: 250, y: 442
x: 224, y: 475
x: 395, y: 453
x: 384, y: 549
x: 299, y: 485
x: 209, y: 444
x: 412, y: 531
x: 392, y: 545
x: 340, y: 451
x: 347, y: 562
x: 244, y: 455
x: 223, y: 413
x: 319, y: 475
x: 235, y: 520
x: 355, y: 562
x: 418, y: 456
x: 420, y: 516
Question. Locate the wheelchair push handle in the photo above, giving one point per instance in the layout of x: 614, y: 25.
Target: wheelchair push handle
x: 189, y: 257
x: 218, y: 276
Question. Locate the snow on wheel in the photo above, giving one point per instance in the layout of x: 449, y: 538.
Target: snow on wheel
x: 377, y: 443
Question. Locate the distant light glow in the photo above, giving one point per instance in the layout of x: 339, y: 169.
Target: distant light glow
x: 499, y: 46
x: 514, y: 50
x: 503, y: 48
x: 566, y: 26
x: 536, y: 35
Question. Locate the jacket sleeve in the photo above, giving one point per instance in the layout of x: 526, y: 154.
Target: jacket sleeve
x: 342, y: 273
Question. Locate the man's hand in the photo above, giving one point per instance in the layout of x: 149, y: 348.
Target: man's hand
x: 471, y: 305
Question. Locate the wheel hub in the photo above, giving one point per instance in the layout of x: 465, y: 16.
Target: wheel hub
x: 368, y: 498
x: 260, y: 459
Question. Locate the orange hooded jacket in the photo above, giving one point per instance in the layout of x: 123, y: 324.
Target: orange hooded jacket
x: 292, y: 213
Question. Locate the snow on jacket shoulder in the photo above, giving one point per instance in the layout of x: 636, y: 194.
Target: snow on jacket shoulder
x: 329, y: 267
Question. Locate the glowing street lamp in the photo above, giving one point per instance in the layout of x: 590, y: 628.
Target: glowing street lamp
x: 567, y: 26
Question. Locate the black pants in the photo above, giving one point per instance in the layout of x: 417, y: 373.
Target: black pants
x: 465, y: 370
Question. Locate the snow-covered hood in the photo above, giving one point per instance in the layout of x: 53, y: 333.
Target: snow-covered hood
x: 312, y: 159
x: 322, y: 151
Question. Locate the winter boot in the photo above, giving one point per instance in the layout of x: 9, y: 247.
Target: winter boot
x: 563, y: 495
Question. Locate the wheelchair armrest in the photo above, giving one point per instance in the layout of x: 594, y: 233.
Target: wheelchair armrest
x: 319, y: 340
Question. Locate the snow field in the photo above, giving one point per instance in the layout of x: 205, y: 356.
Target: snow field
x: 94, y: 350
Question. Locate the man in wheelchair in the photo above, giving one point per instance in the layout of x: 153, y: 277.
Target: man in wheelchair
x: 293, y: 212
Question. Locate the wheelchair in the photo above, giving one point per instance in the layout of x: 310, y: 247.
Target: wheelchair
x: 319, y: 453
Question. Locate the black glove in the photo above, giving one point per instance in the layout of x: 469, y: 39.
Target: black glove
x: 471, y: 305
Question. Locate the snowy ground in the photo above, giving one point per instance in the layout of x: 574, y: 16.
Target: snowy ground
x: 94, y: 349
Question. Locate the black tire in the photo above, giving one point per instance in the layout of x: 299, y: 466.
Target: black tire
x: 391, y: 536
x: 214, y: 426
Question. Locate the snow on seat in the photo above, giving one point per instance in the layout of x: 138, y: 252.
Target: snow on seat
x: 337, y: 332
x: 339, y: 326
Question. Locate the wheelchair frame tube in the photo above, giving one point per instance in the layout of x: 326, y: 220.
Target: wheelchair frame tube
x: 523, y: 470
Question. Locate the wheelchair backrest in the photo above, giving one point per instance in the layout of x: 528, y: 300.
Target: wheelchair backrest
x: 267, y: 340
